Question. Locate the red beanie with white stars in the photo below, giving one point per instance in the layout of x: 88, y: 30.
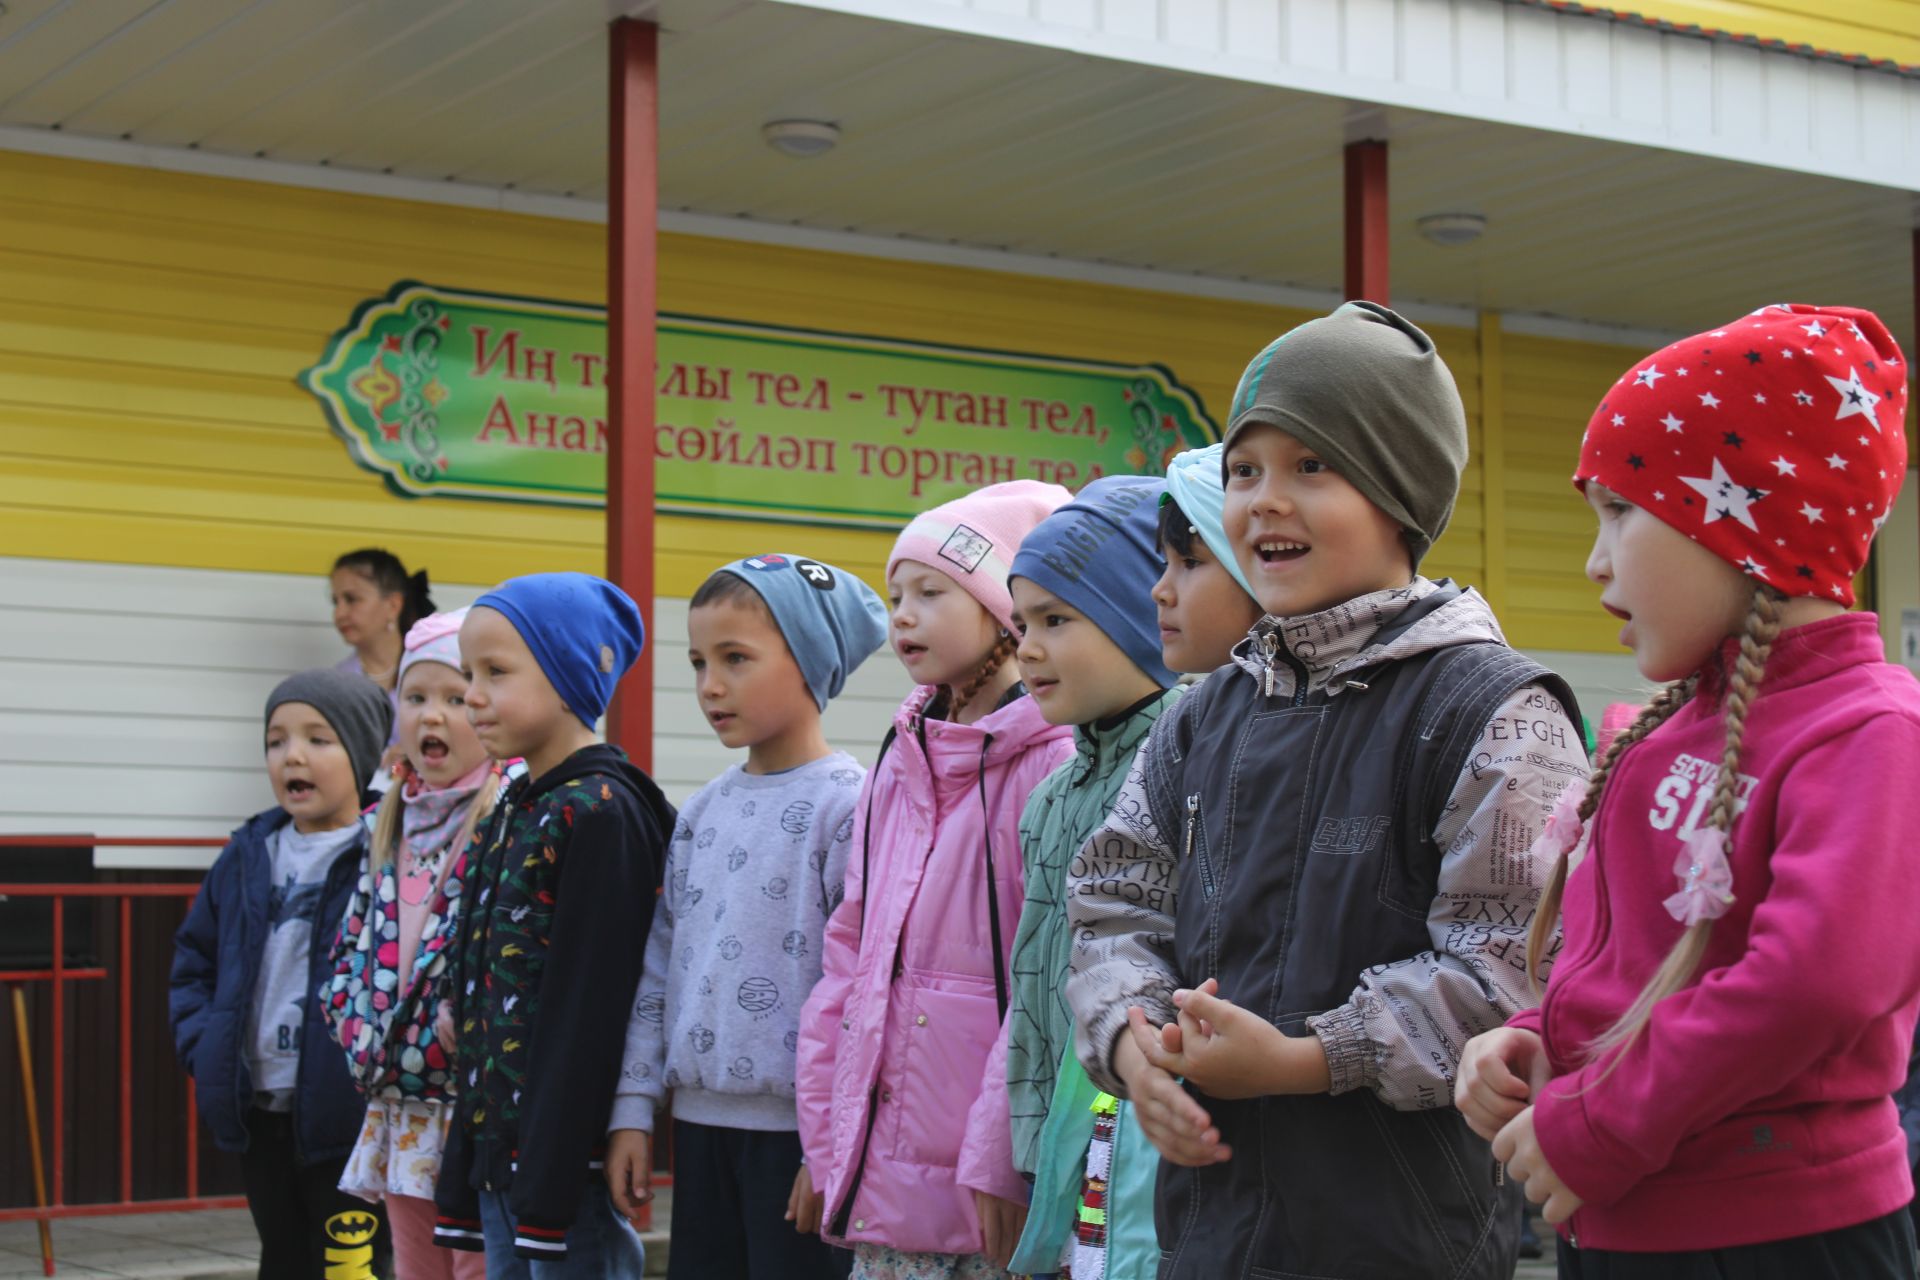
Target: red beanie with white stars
x: 1777, y: 442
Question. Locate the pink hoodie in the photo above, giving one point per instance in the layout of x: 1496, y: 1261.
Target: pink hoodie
x: 1754, y: 1106
x: 894, y: 1041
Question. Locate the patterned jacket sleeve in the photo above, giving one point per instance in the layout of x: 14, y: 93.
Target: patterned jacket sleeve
x: 1402, y: 1031
x: 1122, y: 899
x: 610, y: 872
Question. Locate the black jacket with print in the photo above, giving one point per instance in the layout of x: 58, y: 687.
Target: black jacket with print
x: 559, y: 899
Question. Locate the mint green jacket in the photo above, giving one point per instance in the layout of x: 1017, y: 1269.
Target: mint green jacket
x: 1049, y: 1095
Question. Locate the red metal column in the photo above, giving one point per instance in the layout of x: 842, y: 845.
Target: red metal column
x: 1367, y: 221
x: 632, y: 224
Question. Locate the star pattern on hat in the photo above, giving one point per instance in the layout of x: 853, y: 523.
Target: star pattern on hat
x: 1725, y: 499
x: 1803, y: 511
x: 1854, y: 397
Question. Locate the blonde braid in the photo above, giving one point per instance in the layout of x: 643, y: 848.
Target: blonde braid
x: 1656, y: 713
x: 1756, y: 646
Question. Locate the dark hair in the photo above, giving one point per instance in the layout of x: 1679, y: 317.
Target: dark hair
x: 723, y: 586
x: 390, y: 578
x: 1176, y: 530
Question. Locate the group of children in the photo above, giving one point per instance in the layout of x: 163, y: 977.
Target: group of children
x: 1195, y: 915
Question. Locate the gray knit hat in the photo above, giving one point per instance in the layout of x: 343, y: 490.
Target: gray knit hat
x: 355, y: 706
x: 1365, y: 389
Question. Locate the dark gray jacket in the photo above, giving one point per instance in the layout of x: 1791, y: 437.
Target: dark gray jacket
x: 1337, y: 827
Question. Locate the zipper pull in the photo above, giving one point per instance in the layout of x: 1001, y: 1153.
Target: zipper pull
x: 1193, y: 809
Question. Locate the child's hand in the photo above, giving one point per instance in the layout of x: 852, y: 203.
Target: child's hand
x: 804, y: 1204
x: 1174, y: 1123
x: 1230, y: 1053
x: 630, y: 1170
x: 1519, y: 1150
x: 1500, y: 1070
x: 1001, y: 1222
x: 443, y: 1026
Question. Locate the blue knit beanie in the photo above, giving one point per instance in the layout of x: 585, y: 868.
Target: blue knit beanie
x: 832, y: 621
x: 1101, y: 554
x: 583, y: 631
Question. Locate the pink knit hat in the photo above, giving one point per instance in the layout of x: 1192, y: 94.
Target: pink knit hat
x: 972, y: 539
x: 435, y: 638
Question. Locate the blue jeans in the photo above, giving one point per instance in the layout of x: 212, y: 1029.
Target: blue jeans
x: 600, y: 1245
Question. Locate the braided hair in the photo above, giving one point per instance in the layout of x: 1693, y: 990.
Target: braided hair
x: 1757, y: 635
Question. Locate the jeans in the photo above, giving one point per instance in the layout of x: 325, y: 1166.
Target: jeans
x: 600, y: 1245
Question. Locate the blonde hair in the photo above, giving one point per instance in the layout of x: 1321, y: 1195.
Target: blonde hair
x: 949, y: 701
x: 393, y: 807
x: 1762, y: 627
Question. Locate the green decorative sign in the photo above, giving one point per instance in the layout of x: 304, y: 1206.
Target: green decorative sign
x: 478, y: 395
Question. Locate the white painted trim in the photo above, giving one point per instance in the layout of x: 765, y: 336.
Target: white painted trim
x: 746, y: 230
x: 210, y: 164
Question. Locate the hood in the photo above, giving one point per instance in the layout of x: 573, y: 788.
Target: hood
x: 954, y: 749
x: 604, y: 758
x: 1334, y: 646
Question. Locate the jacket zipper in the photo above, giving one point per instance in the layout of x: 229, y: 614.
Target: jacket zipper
x: 1193, y: 820
x: 1271, y: 648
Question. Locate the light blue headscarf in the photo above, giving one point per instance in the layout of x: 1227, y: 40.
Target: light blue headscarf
x: 1194, y: 481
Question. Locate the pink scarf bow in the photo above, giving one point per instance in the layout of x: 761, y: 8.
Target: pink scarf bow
x: 1706, y: 881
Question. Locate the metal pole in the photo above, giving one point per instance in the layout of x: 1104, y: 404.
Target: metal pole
x: 632, y: 231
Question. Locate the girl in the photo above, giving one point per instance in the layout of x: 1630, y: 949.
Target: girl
x: 390, y: 959
x: 375, y: 604
x: 1704, y: 1091
x: 895, y: 1039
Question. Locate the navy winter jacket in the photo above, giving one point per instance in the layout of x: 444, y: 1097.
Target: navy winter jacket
x: 216, y: 964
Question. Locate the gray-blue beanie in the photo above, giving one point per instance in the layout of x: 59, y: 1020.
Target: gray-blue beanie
x: 1101, y: 554
x: 832, y: 621
x: 582, y: 630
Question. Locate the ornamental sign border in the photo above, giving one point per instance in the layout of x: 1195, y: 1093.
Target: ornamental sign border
x: 326, y: 380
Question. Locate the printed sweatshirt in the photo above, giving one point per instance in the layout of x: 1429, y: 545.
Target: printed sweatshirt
x: 1754, y: 1106
x: 757, y: 864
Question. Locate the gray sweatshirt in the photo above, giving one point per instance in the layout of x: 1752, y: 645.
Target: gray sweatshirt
x: 756, y: 865
x: 299, y: 881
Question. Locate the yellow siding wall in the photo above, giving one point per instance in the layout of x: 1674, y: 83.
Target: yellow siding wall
x: 1883, y: 30
x: 151, y: 325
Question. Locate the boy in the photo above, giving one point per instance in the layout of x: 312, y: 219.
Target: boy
x: 1342, y: 819
x: 756, y: 866
x: 247, y: 966
x: 559, y: 897
x: 1090, y: 656
x: 1206, y: 605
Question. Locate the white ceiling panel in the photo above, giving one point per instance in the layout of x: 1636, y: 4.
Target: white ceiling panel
x: 954, y: 138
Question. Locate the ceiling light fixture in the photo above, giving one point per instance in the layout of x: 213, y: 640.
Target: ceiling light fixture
x: 1449, y: 229
x: 801, y: 138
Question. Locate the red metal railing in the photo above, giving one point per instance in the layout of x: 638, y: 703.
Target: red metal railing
x: 59, y: 975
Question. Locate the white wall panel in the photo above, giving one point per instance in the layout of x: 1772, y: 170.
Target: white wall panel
x: 130, y: 696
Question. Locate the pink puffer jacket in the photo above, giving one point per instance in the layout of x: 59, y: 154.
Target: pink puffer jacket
x: 895, y: 1039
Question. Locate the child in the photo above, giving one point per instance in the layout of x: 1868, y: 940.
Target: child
x: 1090, y: 655
x: 1204, y: 610
x: 755, y: 868
x: 391, y: 959
x: 552, y: 931
x: 1206, y: 605
x: 1704, y: 1091
x: 247, y: 963
x: 895, y: 1039
x: 1333, y: 833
